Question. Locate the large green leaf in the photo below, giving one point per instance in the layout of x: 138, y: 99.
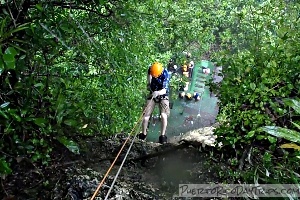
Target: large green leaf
x: 70, y: 144
x: 39, y: 85
x: 9, y: 60
x: 293, y: 103
x: 297, y: 125
x: 280, y: 132
x: 40, y: 122
x: 11, y: 50
x: 290, y: 146
x: 70, y: 122
x: 4, y: 167
x: 2, y: 114
x: 8, y: 57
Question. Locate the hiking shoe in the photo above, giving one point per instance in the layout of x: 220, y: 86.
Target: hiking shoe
x: 162, y: 139
x: 142, y: 136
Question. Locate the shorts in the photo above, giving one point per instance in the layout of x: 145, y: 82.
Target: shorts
x: 163, y: 106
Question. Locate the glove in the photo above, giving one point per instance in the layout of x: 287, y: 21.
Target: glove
x: 155, y: 94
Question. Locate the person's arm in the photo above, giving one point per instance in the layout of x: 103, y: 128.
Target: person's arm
x: 165, y: 83
x: 149, y: 77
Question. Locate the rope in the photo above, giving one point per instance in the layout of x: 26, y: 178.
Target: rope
x: 113, y: 183
x: 113, y: 163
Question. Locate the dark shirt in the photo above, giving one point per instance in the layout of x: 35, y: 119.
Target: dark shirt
x: 161, y: 82
x: 171, y: 67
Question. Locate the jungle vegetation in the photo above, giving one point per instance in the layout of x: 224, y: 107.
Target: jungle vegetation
x: 74, y: 69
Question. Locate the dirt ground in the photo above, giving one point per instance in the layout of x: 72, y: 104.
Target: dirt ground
x: 77, y: 177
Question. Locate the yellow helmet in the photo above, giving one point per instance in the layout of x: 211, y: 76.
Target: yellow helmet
x: 156, y: 69
x: 189, y: 95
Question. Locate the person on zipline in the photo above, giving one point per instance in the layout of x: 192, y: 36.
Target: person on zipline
x: 158, y: 84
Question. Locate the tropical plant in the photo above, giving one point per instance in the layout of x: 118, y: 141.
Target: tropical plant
x: 71, y: 70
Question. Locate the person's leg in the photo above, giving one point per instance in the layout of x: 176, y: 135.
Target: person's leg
x: 148, y: 111
x: 165, y: 112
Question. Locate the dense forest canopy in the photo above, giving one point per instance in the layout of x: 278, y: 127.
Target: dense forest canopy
x: 70, y: 69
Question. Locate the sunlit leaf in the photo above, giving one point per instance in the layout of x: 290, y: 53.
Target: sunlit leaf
x: 267, y: 173
x: 280, y: 132
x: 84, y: 126
x: 4, y: 105
x: 290, y: 146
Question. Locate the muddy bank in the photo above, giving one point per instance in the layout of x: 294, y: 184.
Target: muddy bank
x: 152, y: 171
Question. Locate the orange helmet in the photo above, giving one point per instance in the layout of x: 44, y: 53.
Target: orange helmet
x: 156, y: 69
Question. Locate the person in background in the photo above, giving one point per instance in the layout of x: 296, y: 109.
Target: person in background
x: 158, y: 85
x: 191, y: 67
x: 205, y: 70
x: 175, y: 68
x: 188, y: 55
x: 170, y: 65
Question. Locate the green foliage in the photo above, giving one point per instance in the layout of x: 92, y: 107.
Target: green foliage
x: 71, y: 145
x: 72, y: 70
x: 260, y: 90
x: 285, y: 174
x: 4, y: 167
x: 176, y: 83
x: 285, y: 133
x: 258, y: 74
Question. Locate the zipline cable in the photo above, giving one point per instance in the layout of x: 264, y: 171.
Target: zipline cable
x: 113, y: 163
x: 113, y: 183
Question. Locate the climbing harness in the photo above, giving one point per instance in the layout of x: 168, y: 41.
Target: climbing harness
x: 113, y: 163
x: 164, y: 106
x: 161, y: 97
